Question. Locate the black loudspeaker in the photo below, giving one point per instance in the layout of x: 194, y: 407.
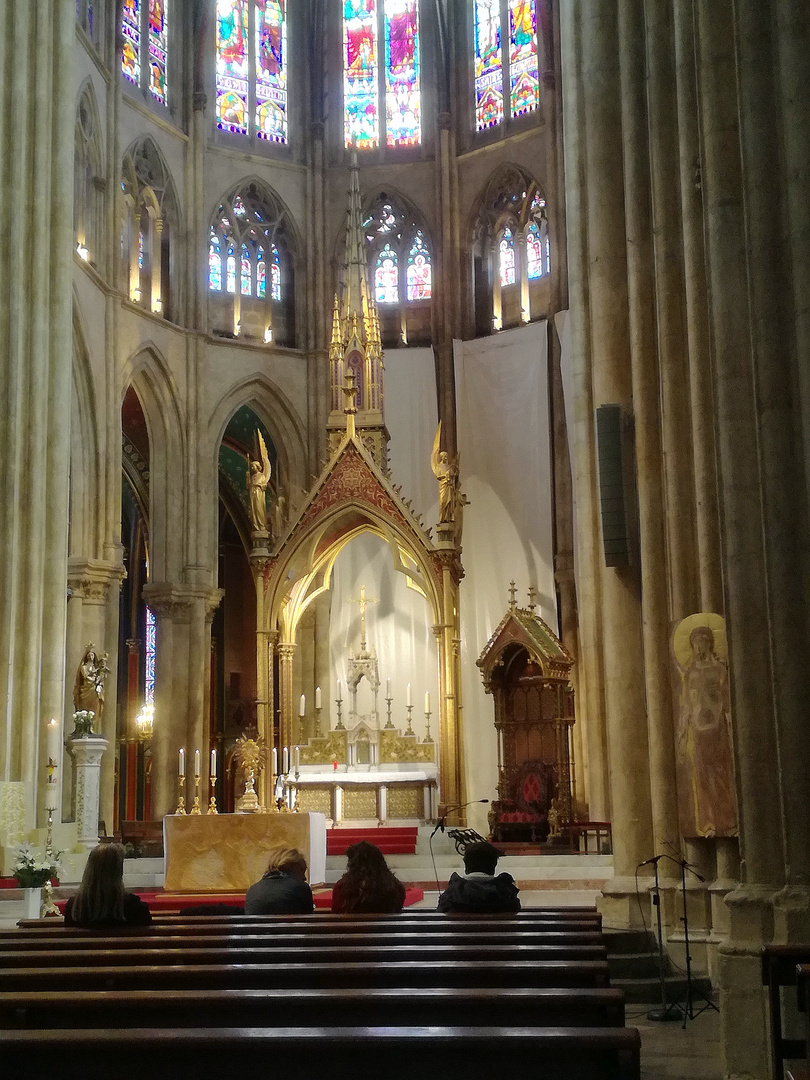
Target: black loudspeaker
x: 612, y: 492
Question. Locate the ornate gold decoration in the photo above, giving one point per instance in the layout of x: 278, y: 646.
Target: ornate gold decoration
x: 359, y: 802
x: 326, y: 750
x: 251, y: 754
x: 406, y: 801
x: 395, y: 747
x: 315, y: 800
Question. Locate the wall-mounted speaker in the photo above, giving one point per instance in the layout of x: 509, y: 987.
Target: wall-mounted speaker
x: 612, y: 490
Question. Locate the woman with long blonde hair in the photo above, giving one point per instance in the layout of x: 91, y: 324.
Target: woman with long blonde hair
x: 102, y: 899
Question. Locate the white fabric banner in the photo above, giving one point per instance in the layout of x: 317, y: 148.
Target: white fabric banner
x: 505, y: 470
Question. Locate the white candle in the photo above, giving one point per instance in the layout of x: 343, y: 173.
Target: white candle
x: 52, y: 741
x: 297, y: 758
x: 388, y: 688
x: 182, y: 762
x: 408, y: 700
x: 427, y: 701
x: 339, y: 692
x: 317, y: 697
x: 285, y: 758
x: 302, y: 706
x: 213, y: 764
x: 275, y: 762
x: 196, y: 762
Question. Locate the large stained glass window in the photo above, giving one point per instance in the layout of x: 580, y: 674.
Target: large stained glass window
x: 524, y: 85
x: 386, y: 277
x: 158, y: 49
x: 419, y: 275
x: 381, y: 73
x: 271, y: 71
x: 505, y: 85
x: 149, y: 665
x: 506, y: 248
x: 131, y: 32
x: 403, y: 105
x: 241, y: 228
x: 232, y: 65
x: 360, y: 90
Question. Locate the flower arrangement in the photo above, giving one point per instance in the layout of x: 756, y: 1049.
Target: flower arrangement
x: 32, y: 870
x: 83, y: 722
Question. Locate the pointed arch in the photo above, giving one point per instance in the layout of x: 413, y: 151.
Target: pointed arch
x: 86, y: 526
x: 88, y: 155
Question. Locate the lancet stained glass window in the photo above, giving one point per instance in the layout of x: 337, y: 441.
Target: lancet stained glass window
x: 251, y: 68
x: 214, y: 264
x: 419, y: 273
x: 241, y: 227
x: 149, y: 664
x: 271, y: 71
x: 158, y: 49
x: 534, y: 252
x: 505, y: 82
x: 232, y: 65
x: 381, y: 73
x: 506, y: 248
x: 386, y: 277
x: 131, y: 32
x: 275, y: 274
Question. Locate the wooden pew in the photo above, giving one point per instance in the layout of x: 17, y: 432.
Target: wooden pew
x: 779, y: 964
x: 468, y: 1006
x: 271, y: 953
x: 411, y: 973
x: 364, y: 1053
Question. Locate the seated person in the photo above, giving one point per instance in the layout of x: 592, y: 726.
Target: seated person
x: 283, y: 890
x: 368, y: 886
x: 479, y: 890
x: 101, y: 899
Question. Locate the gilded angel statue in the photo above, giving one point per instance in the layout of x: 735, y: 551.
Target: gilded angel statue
x: 445, y: 469
x: 257, y: 479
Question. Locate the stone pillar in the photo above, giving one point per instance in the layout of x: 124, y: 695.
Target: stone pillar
x: 87, y: 753
x: 36, y: 67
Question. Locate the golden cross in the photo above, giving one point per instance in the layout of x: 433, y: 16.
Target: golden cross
x: 512, y: 594
x: 363, y: 601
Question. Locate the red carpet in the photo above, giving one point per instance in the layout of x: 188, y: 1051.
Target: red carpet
x: 389, y: 841
x: 168, y: 902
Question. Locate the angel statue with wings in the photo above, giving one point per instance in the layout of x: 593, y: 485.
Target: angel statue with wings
x: 257, y: 480
x: 445, y: 469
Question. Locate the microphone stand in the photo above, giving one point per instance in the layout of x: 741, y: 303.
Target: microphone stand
x: 664, y: 1013
x: 440, y: 825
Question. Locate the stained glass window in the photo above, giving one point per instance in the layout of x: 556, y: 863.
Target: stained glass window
x: 140, y: 249
x: 149, y: 651
x: 131, y: 31
x: 507, y: 262
x: 275, y: 274
x: 524, y: 85
x: 271, y: 71
x: 232, y: 65
x: 246, y: 283
x: 534, y: 252
x: 361, y: 118
x: 214, y: 264
x: 402, y: 93
x: 386, y: 277
x: 488, y: 64
x: 230, y: 270
x: 419, y: 274
x: 261, y: 275
x: 158, y: 49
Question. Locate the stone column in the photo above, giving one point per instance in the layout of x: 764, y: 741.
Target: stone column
x: 87, y: 753
x: 36, y: 68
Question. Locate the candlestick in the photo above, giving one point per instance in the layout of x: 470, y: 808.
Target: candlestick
x: 196, y: 762
x: 213, y: 764
x: 318, y: 702
x: 181, y: 802
x: 339, y: 725
x: 302, y: 705
x: 427, y: 738
x: 195, y: 809
x: 408, y: 700
x: 409, y: 730
x: 212, y: 805
x: 52, y: 740
x: 182, y: 763
x: 388, y: 723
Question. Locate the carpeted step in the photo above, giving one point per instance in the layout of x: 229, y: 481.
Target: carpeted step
x: 396, y: 841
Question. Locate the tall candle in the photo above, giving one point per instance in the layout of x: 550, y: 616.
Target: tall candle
x: 408, y: 699
x: 213, y: 764
x: 339, y: 692
x: 302, y: 705
x: 317, y: 697
x: 285, y: 759
x: 297, y: 758
x: 182, y: 762
x: 427, y: 701
x: 196, y: 762
x: 388, y: 688
x: 275, y: 762
x: 52, y: 742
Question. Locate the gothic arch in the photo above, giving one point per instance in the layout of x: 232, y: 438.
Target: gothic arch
x: 88, y: 203
x: 85, y: 537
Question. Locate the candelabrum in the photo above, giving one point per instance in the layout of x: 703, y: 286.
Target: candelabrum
x: 410, y: 729
x: 388, y: 723
x: 427, y: 726
x: 47, y: 906
x: 195, y: 809
x: 317, y: 722
x: 181, y: 802
x: 212, y: 802
x: 339, y: 725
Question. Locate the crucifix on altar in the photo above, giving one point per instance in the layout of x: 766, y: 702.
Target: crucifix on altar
x: 363, y: 662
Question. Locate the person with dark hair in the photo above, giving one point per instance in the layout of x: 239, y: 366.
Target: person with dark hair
x: 283, y: 890
x: 368, y: 885
x: 101, y: 899
x: 479, y: 890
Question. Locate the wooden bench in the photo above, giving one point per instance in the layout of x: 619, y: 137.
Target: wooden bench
x: 364, y: 1053
x: 389, y: 973
x: 320, y: 953
x: 779, y: 965
x: 468, y: 1006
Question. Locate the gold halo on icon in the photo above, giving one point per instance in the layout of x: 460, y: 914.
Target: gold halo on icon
x: 680, y: 637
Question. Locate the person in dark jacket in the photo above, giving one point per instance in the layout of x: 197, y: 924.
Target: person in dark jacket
x: 479, y: 890
x: 283, y: 890
x: 368, y: 885
x: 101, y: 899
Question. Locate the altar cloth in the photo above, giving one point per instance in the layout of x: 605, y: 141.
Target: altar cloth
x: 216, y: 853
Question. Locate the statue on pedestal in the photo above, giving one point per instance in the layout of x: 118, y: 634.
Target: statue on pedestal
x: 88, y: 687
x: 445, y: 469
x: 257, y: 480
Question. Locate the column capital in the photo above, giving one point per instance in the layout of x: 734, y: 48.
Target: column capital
x: 177, y: 601
x: 91, y: 579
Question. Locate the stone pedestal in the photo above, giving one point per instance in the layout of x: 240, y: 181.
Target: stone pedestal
x: 87, y: 753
